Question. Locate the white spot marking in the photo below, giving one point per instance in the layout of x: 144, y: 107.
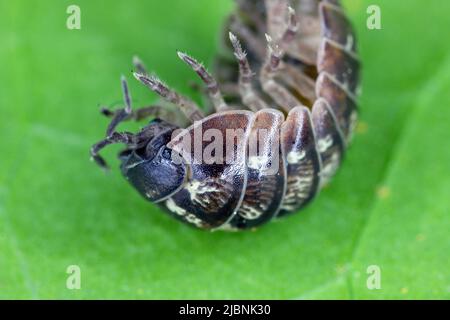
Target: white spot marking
x: 197, y: 188
x: 172, y: 206
x: 330, y: 169
x: 352, y: 125
x: 150, y: 193
x: 299, y: 189
x: 295, y: 157
x: 194, y: 220
x: 325, y: 143
x: 257, y: 162
x: 249, y: 212
x: 349, y: 44
x: 228, y: 227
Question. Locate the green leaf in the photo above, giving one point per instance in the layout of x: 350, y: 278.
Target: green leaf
x: 388, y: 206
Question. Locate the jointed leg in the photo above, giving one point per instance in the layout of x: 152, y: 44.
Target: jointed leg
x: 132, y: 141
x: 249, y: 96
x: 296, y: 79
x: 118, y: 116
x: 269, y: 71
x: 128, y: 113
x: 142, y: 113
x: 115, y: 137
x: 292, y: 28
x: 211, y: 84
x: 282, y: 30
x: 274, y: 64
x: 121, y: 114
x: 139, y: 65
x: 112, y: 136
x: 188, y: 107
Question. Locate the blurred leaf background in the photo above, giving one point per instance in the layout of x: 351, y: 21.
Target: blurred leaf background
x: 388, y: 206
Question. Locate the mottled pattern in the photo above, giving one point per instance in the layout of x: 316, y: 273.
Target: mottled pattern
x: 341, y: 102
x: 302, y: 160
x: 329, y: 140
x: 336, y: 27
x: 289, y: 67
x: 266, y: 183
x: 214, y: 191
x: 313, y: 141
x: 339, y: 64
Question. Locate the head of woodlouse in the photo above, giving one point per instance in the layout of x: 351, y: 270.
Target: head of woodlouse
x: 150, y: 168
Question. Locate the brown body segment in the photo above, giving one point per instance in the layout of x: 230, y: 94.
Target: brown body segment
x: 302, y: 160
x: 266, y: 172
x: 340, y: 64
x: 338, y: 67
x: 336, y: 26
x: 329, y: 140
x: 341, y: 102
x: 213, y: 191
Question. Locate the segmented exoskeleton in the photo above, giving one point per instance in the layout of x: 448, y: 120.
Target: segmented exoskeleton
x: 297, y: 81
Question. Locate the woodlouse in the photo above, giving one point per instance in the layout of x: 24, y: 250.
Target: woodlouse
x: 298, y: 81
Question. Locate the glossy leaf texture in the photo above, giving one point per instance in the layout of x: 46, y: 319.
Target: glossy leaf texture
x: 388, y: 206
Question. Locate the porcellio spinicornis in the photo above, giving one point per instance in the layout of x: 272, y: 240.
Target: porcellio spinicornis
x: 283, y: 113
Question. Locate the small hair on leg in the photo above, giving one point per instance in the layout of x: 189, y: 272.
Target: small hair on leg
x: 141, y: 113
x: 121, y: 114
x: 271, y: 68
x: 127, y: 113
x: 126, y: 94
x: 187, y: 106
x: 249, y: 97
x: 139, y: 65
x: 274, y: 56
x: 211, y: 83
x: 292, y: 27
x: 245, y: 71
x: 114, y: 138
